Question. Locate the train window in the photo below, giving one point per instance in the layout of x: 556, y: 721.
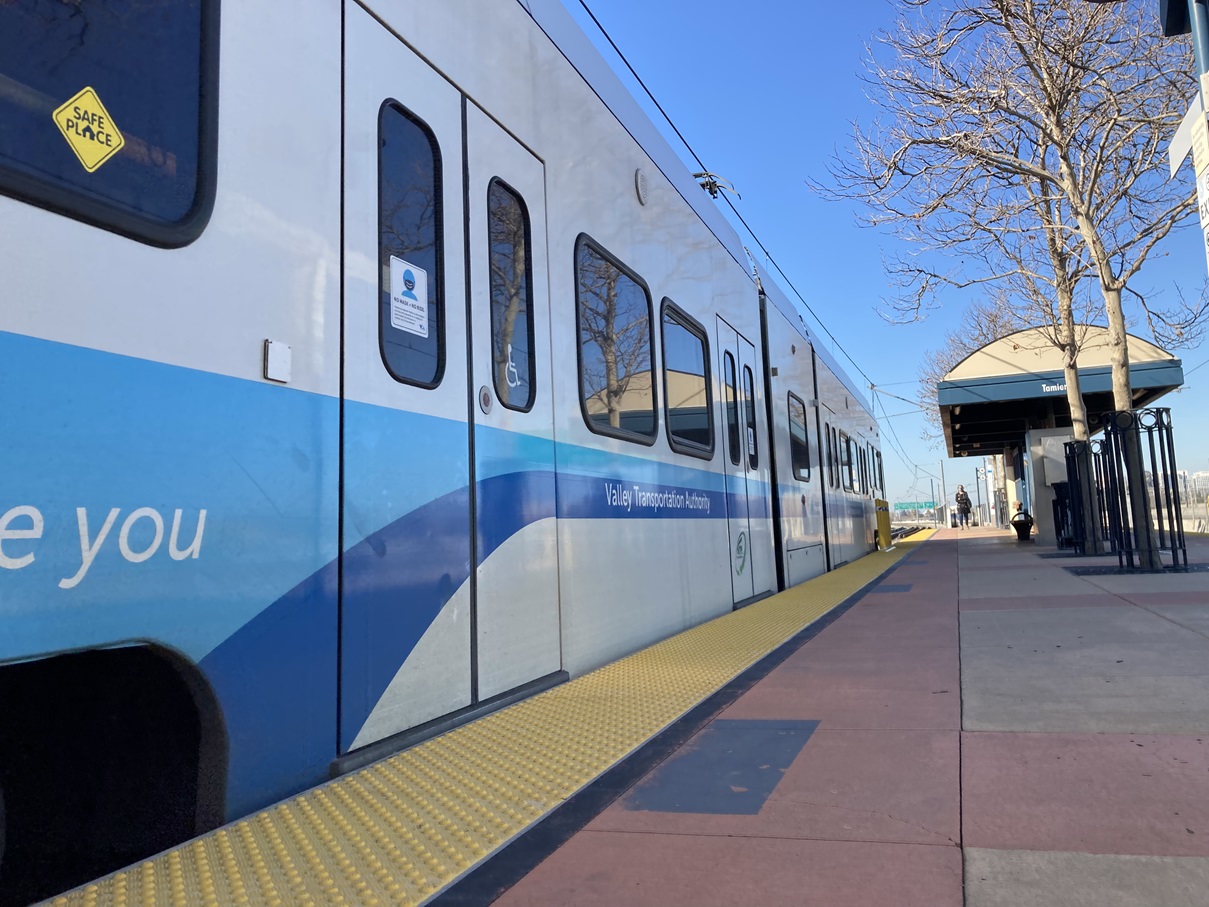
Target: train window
x: 749, y: 405
x: 835, y: 459
x: 108, y: 113
x: 830, y: 454
x: 799, y: 439
x: 615, y: 382
x: 411, y: 303
x: 690, y: 418
x: 881, y: 474
x: 846, y: 461
x: 511, y: 278
x: 732, y: 407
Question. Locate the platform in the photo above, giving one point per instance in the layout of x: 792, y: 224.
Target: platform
x: 963, y: 720
x: 403, y: 829
x: 982, y: 728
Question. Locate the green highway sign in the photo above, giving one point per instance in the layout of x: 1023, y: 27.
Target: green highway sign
x: 916, y: 505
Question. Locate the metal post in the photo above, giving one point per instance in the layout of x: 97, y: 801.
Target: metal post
x: 944, y: 492
x: 978, y: 489
x: 932, y: 491
x: 1198, y: 19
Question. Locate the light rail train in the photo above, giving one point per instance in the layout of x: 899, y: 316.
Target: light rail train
x: 365, y: 367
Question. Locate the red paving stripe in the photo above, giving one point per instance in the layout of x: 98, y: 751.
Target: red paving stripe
x: 838, y: 706
x: 1035, y: 602
x: 1166, y: 598
x: 606, y: 869
x: 1087, y: 793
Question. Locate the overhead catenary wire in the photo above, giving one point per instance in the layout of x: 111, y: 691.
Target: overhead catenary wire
x: 768, y: 255
x: 1195, y: 367
x: 895, y: 444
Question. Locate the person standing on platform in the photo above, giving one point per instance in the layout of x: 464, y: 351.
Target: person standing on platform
x: 963, y: 508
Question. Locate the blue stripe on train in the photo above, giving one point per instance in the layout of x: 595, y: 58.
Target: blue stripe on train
x: 398, y: 579
x: 260, y: 459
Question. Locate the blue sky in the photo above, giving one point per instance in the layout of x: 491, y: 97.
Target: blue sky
x: 766, y: 96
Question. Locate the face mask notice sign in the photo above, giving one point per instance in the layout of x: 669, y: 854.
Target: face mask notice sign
x: 408, y: 297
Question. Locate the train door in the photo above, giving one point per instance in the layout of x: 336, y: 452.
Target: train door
x: 829, y: 471
x: 405, y: 611
x: 516, y: 634
x: 449, y: 570
x: 736, y: 367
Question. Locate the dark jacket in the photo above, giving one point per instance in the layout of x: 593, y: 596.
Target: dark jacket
x: 963, y: 502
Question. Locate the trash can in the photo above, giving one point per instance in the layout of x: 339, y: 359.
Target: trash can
x: 1022, y: 522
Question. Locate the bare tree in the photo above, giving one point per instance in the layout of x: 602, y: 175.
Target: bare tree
x: 1054, y: 108
x: 993, y: 99
x: 982, y: 322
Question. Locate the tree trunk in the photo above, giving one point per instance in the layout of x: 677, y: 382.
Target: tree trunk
x: 1118, y: 350
x: 1139, y: 503
x: 1091, y: 543
x: 1122, y: 398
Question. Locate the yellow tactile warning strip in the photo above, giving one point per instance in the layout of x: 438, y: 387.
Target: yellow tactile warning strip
x: 402, y: 829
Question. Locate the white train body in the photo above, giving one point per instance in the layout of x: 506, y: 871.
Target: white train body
x: 340, y: 543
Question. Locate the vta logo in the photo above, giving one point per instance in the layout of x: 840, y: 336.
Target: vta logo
x: 741, y: 553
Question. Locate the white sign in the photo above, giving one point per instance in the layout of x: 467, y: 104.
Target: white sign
x: 408, y: 297
x: 1181, y: 142
x: 1202, y: 198
x: 1200, y: 145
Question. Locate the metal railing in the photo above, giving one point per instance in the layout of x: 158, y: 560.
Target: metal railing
x: 1085, y: 477
x: 1132, y: 478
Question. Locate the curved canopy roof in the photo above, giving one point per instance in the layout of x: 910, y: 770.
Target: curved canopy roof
x: 1017, y: 383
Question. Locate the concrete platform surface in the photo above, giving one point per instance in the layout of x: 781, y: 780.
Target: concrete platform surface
x: 984, y: 728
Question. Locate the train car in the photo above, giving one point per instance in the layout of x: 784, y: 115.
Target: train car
x: 826, y: 449
x: 359, y: 381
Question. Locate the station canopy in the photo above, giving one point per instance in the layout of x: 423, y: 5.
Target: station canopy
x: 1016, y: 383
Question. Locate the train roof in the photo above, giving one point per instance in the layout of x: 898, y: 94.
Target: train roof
x: 774, y: 294
x: 561, y: 28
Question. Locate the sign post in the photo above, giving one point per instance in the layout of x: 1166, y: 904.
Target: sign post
x: 1181, y: 17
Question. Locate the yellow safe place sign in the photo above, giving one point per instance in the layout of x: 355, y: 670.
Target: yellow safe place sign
x: 89, y: 129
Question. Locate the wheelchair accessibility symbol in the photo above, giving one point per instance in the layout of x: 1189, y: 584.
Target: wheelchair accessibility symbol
x: 513, y: 377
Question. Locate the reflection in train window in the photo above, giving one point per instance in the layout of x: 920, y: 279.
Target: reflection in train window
x: 749, y: 406
x: 846, y: 461
x: 511, y: 278
x: 690, y: 420
x: 108, y: 112
x: 614, y: 316
x: 830, y: 454
x: 732, y: 407
x: 799, y: 439
x: 410, y: 308
x: 835, y: 446
x: 834, y: 457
